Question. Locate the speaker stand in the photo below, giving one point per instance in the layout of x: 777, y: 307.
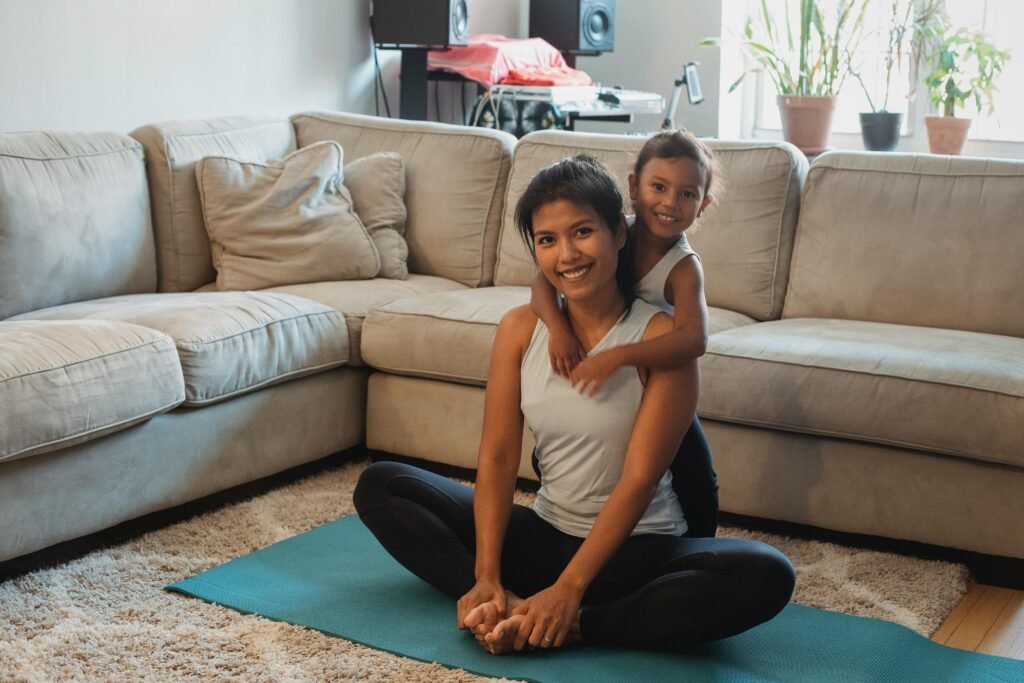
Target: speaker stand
x: 412, y: 103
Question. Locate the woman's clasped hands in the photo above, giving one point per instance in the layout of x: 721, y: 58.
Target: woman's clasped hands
x: 547, y: 619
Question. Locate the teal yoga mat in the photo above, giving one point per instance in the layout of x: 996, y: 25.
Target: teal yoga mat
x: 337, y: 579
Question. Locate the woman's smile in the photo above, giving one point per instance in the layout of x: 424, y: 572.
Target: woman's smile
x: 576, y: 274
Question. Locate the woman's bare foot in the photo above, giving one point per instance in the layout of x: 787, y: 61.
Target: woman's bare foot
x: 482, y: 619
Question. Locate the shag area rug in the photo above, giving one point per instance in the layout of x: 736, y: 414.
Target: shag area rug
x: 106, y: 616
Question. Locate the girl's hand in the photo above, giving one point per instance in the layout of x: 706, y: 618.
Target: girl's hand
x: 483, y: 591
x: 564, y: 349
x: 548, y: 616
x: 590, y: 374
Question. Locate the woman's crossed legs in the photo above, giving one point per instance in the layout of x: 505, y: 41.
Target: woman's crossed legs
x: 657, y: 591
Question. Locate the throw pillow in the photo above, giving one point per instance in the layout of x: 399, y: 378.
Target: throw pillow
x: 283, y: 222
x: 377, y: 184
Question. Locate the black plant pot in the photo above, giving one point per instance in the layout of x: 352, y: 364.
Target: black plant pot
x: 880, y: 130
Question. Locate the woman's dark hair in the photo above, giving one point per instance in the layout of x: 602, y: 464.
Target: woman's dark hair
x: 580, y: 179
x: 676, y: 144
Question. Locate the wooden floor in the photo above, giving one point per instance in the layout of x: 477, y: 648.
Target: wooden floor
x: 989, y: 620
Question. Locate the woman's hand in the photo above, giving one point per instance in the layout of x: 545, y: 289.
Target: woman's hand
x: 548, y: 616
x: 590, y: 374
x: 565, y: 349
x: 483, y: 591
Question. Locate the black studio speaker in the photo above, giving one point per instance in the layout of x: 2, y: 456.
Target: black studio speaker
x: 420, y: 23
x: 577, y: 26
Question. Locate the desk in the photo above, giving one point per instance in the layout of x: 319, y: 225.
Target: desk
x: 522, y: 109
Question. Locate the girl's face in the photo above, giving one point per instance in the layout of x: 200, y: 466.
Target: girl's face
x: 576, y: 250
x: 669, y: 195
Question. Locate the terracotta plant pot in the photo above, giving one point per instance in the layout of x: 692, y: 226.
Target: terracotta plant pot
x: 807, y: 121
x: 947, y: 134
x: 880, y: 130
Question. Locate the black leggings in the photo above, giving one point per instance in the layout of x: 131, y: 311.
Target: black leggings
x: 657, y: 591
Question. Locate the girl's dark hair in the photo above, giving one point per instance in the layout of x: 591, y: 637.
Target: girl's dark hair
x: 676, y: 144
x: 580, y: 179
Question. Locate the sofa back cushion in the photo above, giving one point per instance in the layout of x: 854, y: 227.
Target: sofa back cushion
x: 912, y: 239
x: 74, y: 219
x: 455, y: 185
x: 744, y: 239
x: 172, y: 150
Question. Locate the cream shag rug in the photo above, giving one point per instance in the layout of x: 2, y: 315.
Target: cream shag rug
x: 106, y: 616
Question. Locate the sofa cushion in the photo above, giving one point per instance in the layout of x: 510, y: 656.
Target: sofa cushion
x: 449, y: 336
x: 445, y: 336
x: 65, y: 382
x: 229, y: 343
x: 744, y: 239
x: 74, y: 219
x: 944, y: 391
x: 377, y: 185
x: 284, y: 222
x: 455, y: 185
x: 912, y: 239
x: 355, y: 298
x: 172, y: 149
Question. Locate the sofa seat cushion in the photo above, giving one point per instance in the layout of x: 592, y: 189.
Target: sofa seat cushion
x: 66, y: 382
x: 229, y: 343
x: 945, y: 391
x: 355, y: 298
x: 448, y: 336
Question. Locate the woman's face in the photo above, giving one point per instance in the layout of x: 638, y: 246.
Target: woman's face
x: 576, y: 250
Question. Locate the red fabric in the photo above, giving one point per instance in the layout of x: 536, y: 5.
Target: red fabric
x: 488, y: 58
x: 547, y: 75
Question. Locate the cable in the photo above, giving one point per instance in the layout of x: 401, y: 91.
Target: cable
x: 380, y: 79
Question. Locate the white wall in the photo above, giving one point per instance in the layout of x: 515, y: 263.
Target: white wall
x: 653, y: 39
x: 118, y: 64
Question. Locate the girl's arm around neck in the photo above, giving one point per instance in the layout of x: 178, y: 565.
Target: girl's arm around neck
x: 685, y: 341
x: 564, y: 348
x: 666, y: 411
x: 688, y: 338
x: 502, y: 440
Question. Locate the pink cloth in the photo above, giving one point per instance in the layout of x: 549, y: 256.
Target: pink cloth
x: 489, y: 57
x: 547, y: 75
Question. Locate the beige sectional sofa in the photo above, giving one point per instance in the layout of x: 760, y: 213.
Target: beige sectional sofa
x: 865, y: 371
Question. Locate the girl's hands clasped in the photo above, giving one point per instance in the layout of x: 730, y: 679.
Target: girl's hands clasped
x: 565, y: 350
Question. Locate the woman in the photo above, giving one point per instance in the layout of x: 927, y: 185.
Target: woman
x: 602, y: 557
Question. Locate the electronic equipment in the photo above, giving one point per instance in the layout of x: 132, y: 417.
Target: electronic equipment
x: 520, y: 109
x: 691, y: 80
x: 420, y: 23
x: 574, y: 26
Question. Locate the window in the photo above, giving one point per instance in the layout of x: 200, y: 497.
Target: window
x: 999, y: 134
x: 1002, y: 19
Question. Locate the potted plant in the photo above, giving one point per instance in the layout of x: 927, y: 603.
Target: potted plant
x: 912, y: 31
x: 965, y: 67
x: 807, y: 61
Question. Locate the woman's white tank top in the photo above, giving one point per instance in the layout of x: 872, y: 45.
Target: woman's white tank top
x: 651, y: 287
x: 582, y: 441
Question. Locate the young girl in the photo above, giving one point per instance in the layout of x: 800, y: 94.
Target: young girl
x: 670, y: 188
x: 602, y: 556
